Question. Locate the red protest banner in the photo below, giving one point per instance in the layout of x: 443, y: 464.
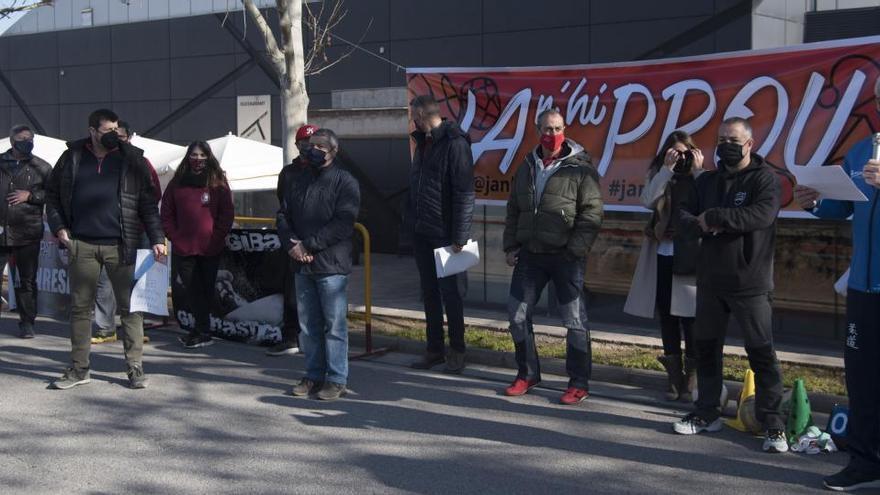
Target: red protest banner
x: 807, y: 105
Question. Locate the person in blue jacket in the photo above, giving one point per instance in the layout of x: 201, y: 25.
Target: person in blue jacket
x: 862, y: 345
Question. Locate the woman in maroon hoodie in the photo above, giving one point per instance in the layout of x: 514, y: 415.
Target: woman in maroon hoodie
x: 197, y: 213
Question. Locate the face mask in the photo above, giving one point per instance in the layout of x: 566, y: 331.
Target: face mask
x: 197, y: 164
x: 729, y: 154
x: 552, y: 141
x: 316, y: 157
x: 110, y: 140
x: 23, y: 147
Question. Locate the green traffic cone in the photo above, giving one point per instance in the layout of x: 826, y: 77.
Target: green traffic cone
x: 799, y: 418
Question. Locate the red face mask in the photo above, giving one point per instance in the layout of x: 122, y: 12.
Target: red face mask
x: 552, y: 141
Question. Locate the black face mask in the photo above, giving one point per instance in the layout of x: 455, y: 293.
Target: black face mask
x: 729, y: 154
x: 316, y: 158
x: 23, y: 147
x: 110, y: 140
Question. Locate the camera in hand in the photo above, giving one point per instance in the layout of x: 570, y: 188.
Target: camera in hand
x: 685, y: 163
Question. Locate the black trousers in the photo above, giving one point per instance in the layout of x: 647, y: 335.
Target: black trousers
x: 290, y: 326
x: 26, y: 260
x: 754, y: 314
x: 198, y: 275
x: 862, y: 361
x: 671, y: 327
x: 438, y: 293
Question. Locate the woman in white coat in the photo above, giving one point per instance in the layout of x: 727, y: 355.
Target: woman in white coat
x: 664, y: 283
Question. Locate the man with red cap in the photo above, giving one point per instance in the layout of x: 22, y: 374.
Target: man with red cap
x: 290, y: 328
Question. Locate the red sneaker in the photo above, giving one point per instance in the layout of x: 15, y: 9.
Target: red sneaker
x: 520, y: 387
x: 573, y: 395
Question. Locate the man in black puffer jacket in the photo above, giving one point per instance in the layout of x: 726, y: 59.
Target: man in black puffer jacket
x: 734, y: 214
x: 315, y: 223
x: 23, y: 178
x: 99, y: 200
x: 441, y: 209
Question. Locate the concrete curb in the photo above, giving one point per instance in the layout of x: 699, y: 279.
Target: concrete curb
x: 821, y: 403
x: 605, y: 333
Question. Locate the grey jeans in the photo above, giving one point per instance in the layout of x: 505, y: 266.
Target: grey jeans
x: 86, y: 262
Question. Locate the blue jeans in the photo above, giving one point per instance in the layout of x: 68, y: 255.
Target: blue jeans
x: 322, y: 305
x: 530, y: 276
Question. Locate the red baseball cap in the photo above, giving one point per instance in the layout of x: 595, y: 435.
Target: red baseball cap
x: 305, y: 132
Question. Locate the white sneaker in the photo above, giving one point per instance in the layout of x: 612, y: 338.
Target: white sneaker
x: 693, y: 424
x: 775, y: 442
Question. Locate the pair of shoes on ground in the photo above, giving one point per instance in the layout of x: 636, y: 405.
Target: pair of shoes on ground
x: 521, y: 386
x: 321, y: 390
x: 454, y: 360
x: 73, y: 377
x: 851, y: 478
x: 25, y: 330
x: 194, y: 340
x: 283, y: 349
x: 775, y: 441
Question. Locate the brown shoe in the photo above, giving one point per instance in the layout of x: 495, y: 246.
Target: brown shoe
x: 428, y: 361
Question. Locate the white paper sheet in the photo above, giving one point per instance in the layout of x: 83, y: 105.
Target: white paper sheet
x: 842, y: 283
x: 150, y: 292
x: 449, y: 263
x: 831, y: 181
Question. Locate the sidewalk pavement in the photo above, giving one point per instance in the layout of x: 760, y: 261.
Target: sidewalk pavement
x: 216, y: 420
x: 395, y: 292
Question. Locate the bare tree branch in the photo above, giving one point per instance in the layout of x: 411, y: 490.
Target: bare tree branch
x: 16, y: 7
x: 271, y: 45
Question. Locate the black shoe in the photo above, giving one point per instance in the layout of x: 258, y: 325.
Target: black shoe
x: 454, y: 362
x: 26, y: 330
x: 331, y: 391
x: 282, y: 349
x: 200, y: 340
x: 136, y: 378
x: 189, y: 336
x: 306, y: 387
x: 850, y: 479
x: 71, y: 378
x: 428, y: 361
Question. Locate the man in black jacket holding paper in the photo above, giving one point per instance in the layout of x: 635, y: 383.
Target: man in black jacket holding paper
x: 441, y: 209
x: 734, y: 212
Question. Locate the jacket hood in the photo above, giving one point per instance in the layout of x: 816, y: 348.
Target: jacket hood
x: 573, y: 154
x: 447, y: 128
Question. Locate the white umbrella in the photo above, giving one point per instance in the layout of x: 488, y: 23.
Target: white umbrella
x: 163, y: 156
x: 49, y: 148
x: 249, y: 165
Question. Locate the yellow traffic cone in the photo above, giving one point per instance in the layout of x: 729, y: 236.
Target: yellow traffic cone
x: 746, y: 421
x: 800, y: 417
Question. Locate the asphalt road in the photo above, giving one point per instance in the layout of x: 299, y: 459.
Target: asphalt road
x: 216, y: 420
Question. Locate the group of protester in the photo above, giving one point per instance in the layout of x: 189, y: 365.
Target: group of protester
x: 708, y: 253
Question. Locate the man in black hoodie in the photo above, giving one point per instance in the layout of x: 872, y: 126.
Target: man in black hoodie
x: 23, y: 177
x: 441, y: 209
x: 734, y: 212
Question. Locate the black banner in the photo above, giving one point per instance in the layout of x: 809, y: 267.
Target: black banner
x: 248, y: 297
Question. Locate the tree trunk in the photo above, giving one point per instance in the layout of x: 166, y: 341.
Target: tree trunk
x: 294, y: 98
x: 294, y: 113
